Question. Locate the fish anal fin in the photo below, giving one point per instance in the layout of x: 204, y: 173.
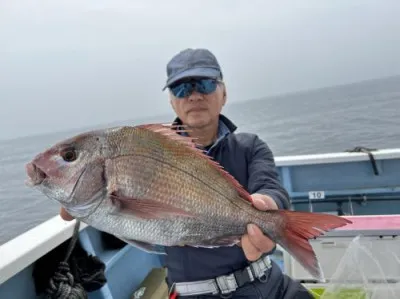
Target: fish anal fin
x: 145, y: 208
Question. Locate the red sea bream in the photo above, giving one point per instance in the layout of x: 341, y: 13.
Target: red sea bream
x: 150, y: 186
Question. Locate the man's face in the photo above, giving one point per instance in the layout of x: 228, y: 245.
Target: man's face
x: 198, y: 109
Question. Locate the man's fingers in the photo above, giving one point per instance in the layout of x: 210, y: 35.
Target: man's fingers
x: 255, y: 243
x: 258, y: 239
x: 260, y: 204
x: 263, y: 202
x: 65, y: 216
x: 250, y: 251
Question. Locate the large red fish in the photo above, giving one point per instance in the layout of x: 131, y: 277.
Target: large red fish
x: 149, y: 185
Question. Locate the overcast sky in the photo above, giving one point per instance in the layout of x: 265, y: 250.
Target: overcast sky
x: 67, y: 64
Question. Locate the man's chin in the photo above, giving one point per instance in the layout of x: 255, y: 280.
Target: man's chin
x: 198, y: 123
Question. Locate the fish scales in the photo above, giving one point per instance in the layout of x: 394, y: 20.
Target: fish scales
x: 144, y: 142
x: 176, y: 190
x: 178, y: 158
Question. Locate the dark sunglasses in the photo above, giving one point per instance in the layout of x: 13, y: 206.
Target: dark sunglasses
x: 184, y: 89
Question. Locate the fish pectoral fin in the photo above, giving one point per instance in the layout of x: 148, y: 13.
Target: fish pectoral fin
x: 147, y: 247
x: 145, y: 208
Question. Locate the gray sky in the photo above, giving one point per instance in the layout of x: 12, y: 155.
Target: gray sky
x: 67, y: 64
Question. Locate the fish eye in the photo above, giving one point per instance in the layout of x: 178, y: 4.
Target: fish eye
x: 69, y: 155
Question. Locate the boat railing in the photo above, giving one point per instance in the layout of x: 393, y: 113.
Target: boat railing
x: 23, y: 250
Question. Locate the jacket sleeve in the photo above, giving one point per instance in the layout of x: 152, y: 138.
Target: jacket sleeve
x: 263, y: 175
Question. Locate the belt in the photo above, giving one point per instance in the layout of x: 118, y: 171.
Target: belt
x: 225, y: 284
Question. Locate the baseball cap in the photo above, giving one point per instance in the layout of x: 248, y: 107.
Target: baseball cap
x: 192, y: 63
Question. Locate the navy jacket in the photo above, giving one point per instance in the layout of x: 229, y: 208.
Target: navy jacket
x: 251, y: 162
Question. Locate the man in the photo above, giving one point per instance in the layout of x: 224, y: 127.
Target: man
x: 197, y: 95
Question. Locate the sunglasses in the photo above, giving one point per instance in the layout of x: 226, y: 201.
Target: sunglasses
x: 184, y: 89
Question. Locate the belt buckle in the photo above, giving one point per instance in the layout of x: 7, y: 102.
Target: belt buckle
x: 239, y: 278
x: 242, y: 276
x: 224, y: 283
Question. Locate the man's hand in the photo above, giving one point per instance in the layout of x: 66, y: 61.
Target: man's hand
x: 255, y: 243
x: 65, y: 216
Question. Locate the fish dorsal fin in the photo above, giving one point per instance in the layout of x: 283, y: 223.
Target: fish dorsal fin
x: 170, y: 131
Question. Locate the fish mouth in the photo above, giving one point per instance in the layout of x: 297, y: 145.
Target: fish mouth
x: 35, y: 175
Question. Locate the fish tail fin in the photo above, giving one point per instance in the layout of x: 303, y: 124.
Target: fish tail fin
x: 298, y: 228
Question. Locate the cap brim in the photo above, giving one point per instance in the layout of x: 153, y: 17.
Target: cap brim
x: 197, y: 72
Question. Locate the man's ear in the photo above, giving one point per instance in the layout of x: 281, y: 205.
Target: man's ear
x: 224, y: 94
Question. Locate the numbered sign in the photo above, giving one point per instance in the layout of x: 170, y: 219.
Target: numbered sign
x: 316, y: 195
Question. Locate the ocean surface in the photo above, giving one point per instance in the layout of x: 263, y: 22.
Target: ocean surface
x: 319, y: 121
